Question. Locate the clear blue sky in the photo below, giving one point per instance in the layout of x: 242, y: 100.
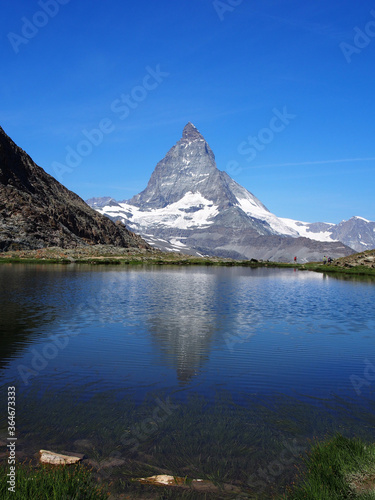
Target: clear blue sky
x: 230, y: 65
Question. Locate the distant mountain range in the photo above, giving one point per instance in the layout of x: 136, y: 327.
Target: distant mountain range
x: 357, y: 232
x: 191, y: 206
x: 37, y: 211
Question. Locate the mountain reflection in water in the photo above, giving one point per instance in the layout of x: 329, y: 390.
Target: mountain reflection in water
x: 245, y: 329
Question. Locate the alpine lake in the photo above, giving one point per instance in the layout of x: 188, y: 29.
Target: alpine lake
x: 221, y: 373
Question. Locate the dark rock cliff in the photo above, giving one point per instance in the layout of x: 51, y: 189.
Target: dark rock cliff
x: 37, y: 211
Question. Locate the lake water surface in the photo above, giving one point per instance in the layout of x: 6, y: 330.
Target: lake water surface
x: 202, y: 371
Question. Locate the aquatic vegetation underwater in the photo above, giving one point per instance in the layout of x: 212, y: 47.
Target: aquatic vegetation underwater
x: 255, y: 444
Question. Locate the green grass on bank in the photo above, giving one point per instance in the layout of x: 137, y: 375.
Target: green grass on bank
x: 332, y: 269
x: 337, y: 469
x: 73, y: 482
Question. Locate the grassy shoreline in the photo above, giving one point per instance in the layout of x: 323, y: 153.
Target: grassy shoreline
x: 102, y: 255
x: 333, y: 469
x: 51, y: 483
x: 336, y: 468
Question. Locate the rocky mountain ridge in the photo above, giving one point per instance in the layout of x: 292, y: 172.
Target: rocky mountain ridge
x: 37, y: 211
x: 357, y: 233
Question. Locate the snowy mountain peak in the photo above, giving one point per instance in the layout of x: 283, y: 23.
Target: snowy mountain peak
x: 191, y: 205
x: 186, y: 167
x: 187, y: 190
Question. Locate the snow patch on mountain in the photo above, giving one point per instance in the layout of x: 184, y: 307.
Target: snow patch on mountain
x: 360, y: 218
x: 253, y: 209
x: 175, y: 242
x: 304, y: 229
x: 192, y: 210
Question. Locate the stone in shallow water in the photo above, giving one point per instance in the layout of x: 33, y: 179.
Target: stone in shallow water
x: 49, y: 457
x: 165, y: 480
x: 195, y: 484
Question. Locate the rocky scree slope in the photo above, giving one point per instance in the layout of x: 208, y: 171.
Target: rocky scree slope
x: 364, y: 259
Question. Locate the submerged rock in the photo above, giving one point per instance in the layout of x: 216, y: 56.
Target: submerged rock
x: 165, y: 480
x: 83, y: 443
x: 105, y: 464
x: 183, y: 482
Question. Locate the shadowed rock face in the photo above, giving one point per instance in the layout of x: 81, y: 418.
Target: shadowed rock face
x: 37, y: 211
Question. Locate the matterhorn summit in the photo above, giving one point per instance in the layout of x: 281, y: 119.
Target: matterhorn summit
x: 191, y: 133
x: 191, y: 206
x: 187, y: 167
